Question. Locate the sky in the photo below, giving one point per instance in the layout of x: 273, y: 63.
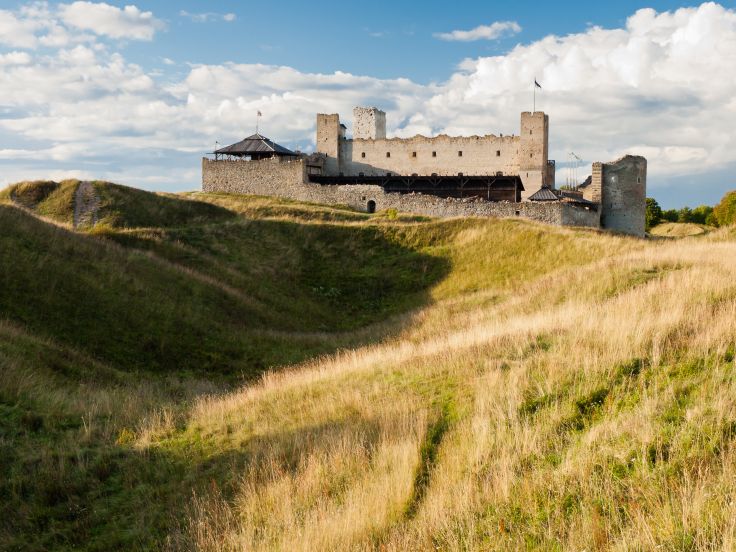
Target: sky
x: 138, y: 93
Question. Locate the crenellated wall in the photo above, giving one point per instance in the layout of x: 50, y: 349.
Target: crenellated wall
x: 369, y: 151
x: 442, y: 155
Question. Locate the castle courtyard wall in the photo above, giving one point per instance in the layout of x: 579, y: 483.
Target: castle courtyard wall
x: 288, y: 180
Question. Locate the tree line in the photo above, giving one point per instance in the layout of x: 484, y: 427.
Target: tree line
x: 722, y: 214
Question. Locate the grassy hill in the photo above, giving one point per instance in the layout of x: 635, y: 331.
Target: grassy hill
x: 679, y: 229
x: 223, y: 372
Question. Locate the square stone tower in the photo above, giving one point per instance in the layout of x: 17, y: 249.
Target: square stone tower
x: 533, y: 151
x: 369, y: 123
x: 329, y: 133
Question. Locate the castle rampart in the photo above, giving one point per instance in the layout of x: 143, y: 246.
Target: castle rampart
x: 288, y: 180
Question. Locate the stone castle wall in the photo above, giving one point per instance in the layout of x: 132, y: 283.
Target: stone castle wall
x: 370, y: 153
x: 442, y: 155
x: 287, y: 179
x: 264, y: 177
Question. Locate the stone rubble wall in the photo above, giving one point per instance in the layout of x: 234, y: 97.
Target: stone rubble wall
x: 288, y: 179
x: 265, y: 177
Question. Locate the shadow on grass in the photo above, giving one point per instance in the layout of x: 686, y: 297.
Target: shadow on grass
x: 114, y: 497
x: 228, y: 299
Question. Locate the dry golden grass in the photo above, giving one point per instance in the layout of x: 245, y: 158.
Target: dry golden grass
x: 679, y: 229
x: 593, y: 409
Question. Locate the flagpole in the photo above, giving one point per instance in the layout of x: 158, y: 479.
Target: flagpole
x: 534, y: 95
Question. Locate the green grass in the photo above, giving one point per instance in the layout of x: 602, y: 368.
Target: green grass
x: 54, y: 200
x: 211, y: 295
x: 469, y: 383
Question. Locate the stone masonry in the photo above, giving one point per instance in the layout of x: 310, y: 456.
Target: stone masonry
x: 621, y: 188
x: 613, y: 198
x: 370, y: 153
x: 288, y: 179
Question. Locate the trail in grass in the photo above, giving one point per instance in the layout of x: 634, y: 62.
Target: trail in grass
x: 86, y: 205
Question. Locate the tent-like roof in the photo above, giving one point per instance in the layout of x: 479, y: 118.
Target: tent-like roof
x: 544, y: 194
x: 255, y: 145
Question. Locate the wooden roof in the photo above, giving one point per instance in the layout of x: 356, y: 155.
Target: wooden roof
x: 255, y: 145
x: 544, y: 194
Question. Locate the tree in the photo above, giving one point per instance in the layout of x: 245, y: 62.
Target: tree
x: 700, y: 214
x: 670, y: 215
x: 685, y: 215
x: 725, y: 211
x: 653, y: 213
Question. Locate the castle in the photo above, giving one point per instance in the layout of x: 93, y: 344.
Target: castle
x: 501, y: 176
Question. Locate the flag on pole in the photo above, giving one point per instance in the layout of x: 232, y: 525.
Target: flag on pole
x: 537, y: 84
x: 261, y: 114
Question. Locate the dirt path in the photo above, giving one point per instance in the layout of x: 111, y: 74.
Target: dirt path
x: 86, y: 205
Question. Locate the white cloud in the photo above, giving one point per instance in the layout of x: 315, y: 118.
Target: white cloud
x: 661, y: 86
x: 206, y: 17
x: 15, y: 58
x: 665, y: 81
x: 104, y: 19
x: 18, y: 33
x: 495, y: 30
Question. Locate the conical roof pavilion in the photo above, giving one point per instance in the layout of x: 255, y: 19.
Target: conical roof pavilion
x: 257, y: 147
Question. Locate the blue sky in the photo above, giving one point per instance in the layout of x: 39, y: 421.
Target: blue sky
x: 384, y: 39
x: 137, y: 94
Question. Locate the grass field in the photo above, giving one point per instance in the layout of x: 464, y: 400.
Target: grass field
x: 242, y: 373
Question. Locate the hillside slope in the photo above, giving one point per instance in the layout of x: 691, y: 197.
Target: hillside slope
x: 487, y: 385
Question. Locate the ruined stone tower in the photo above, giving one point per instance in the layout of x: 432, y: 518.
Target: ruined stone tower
x: 621, y: 189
